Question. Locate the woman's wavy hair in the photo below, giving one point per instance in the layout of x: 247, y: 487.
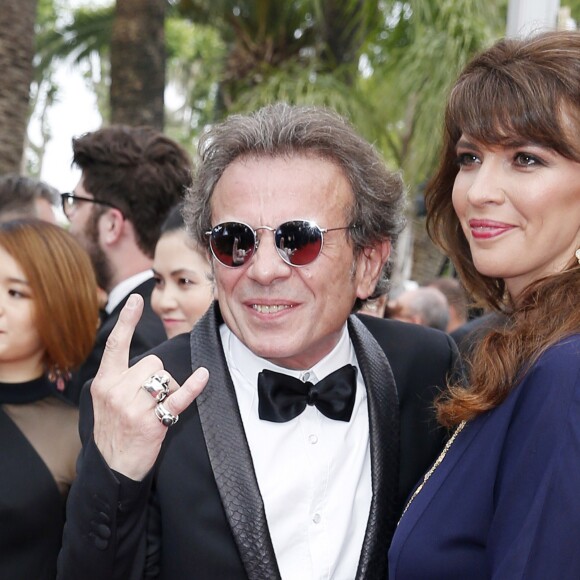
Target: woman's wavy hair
x: 63, y: 286
x: 516, y: 90
x: 282, y: 130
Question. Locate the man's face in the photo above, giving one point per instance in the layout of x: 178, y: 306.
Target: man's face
x: 290, y: 315
x: 84, y: 225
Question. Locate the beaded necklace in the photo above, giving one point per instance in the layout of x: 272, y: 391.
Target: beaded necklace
x: 437, y: 463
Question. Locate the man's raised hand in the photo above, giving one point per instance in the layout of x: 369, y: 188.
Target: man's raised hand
x: 127, y: 431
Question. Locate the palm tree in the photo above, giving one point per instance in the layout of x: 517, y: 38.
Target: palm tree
x: 299, y: 50
x: 17, y: 19
x: 386, y: 65
x: 43, y: 93
x: 414, y: 67
x: 138, y: 63
x: 83, y: 41
x: 127, y: 42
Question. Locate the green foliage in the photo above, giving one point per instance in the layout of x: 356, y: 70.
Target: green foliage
x: 297, y: 84
x: 386, y: 65
x: 413, y: 65
x: 45, y: 15
x: 196, y: 55
x: 574, y: 6
x: 43, y: 90
x: 88, y: 33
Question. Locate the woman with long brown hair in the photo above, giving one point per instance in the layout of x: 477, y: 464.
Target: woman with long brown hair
x: 48, y: 322
x: 502, y: 500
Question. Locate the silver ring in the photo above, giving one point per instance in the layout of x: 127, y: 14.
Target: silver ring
x: 165, y: 416
x: 157, y: 385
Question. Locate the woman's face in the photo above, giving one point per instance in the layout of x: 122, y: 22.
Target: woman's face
x: 21, y: 349
x: 182, y: 290
x: 519, y: 207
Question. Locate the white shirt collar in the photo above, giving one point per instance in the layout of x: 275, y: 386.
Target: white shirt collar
x: 125, y: 287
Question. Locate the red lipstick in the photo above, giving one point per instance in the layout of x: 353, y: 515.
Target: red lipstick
x: 486, y: 229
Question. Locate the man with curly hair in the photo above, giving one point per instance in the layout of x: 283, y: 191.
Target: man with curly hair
x: 131, y: 178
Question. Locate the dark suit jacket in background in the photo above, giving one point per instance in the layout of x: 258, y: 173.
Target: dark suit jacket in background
x: 148, y: 334
x: 469, y: 335
x: 199, y: 512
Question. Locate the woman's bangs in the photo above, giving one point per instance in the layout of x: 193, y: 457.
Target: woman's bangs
x: 496, y: 110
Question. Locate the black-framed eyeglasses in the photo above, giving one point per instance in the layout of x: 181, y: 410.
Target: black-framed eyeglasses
x: 298, y: 242
x: 70, y: 200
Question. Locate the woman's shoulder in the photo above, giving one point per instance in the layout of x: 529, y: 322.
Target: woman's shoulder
x: 563, y: 356
x: 555, y: 372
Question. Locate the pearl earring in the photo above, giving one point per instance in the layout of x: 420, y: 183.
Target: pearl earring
x: 578, y: 255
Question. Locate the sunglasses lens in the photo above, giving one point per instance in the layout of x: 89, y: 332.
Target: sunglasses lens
x: 232, y: 243
x: 299, y: 242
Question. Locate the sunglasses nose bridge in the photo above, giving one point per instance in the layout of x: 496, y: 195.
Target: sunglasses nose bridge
x: 257, y: 238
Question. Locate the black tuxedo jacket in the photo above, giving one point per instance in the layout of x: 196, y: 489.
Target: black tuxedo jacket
x: 148, y: 334
x: 199, y: 513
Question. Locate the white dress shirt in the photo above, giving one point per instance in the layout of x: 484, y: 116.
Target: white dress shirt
x: 314, y: 473
x: 124, y: 288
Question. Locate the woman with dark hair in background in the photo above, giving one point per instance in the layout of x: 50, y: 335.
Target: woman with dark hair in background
x: 183, y: 288
x: 502, y: 500
x: 48, y: 322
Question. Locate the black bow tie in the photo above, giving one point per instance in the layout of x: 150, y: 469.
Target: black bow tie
x: 282, y: 397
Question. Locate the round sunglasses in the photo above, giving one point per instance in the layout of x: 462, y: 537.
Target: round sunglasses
x: 298, y: 242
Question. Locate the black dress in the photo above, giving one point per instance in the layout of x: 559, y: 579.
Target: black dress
x: 39, y: 445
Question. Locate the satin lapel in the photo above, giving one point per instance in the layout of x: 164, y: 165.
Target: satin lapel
x: 229, y: 453
x: 384, y: 439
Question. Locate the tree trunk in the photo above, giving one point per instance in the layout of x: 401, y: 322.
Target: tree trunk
x: 344, y: 28
x: 17, y: 18
x: 138, y: 63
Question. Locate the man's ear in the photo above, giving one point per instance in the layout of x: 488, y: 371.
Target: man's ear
x: 112, y: 226
x: 369, y: 267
